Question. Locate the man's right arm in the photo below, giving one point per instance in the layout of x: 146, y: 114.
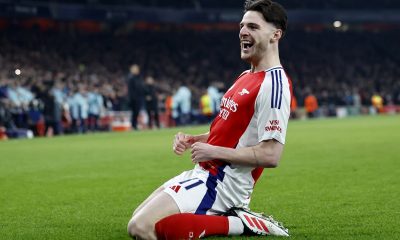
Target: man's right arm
x: 184, y: 141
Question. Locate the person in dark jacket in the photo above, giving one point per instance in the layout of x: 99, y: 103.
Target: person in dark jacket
x: 151, y: 102
x: 51, y: 112
x: 135, y: 93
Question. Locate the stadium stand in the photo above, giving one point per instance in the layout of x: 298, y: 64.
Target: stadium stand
x: 234, y: 4
x: 343, y: 67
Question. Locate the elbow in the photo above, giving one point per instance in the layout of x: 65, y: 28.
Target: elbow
x: 271, y: 162
x: 272, y: 165
x: 270, y: 153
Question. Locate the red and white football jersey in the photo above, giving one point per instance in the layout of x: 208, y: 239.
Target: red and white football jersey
x: 254, y: 109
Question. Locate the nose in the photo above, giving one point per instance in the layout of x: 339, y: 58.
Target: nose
x: 243, y: 32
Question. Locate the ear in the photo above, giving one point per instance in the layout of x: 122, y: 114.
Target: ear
x: 276, y: 35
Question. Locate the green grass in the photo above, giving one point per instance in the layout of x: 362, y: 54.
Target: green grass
x: 338, y: 179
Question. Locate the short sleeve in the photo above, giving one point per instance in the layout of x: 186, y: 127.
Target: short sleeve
x: 273, y: 106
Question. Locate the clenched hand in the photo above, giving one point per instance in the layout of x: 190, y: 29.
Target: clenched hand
x: 202, y: 152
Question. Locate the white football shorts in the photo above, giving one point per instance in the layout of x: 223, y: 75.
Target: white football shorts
x: 199, y: 192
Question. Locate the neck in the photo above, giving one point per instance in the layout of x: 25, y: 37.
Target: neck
x: 268, y: 61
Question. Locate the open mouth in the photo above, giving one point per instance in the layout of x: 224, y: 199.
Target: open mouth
x: 246, y: 45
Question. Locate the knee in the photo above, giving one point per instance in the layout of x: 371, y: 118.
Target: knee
x: 140, y: 228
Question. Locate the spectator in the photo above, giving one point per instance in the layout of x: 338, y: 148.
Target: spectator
x: 6, y: 119
x: 182, y: 105
x: 215, y: 99
x: 293, y: 107
x: 96, y: 108
x: 311, y: 105
x: 59, y: 97
x: 169, y: 111
x: 151, y: 102
x: 356, y: 101
x: 52, y: 115
x: 135, y: 93
x: 78, y: 108
x: 206, y: 107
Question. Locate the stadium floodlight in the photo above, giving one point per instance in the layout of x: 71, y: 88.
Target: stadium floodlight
x: 17, y: 72
x: 337, y: 24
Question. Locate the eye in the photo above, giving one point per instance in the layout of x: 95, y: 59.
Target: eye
x: 252, y: 27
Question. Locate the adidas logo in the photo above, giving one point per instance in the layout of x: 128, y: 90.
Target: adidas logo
x: 175, y: 188
x: 244, y: 91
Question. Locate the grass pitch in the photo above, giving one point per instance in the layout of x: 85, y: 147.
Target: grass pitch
x: 338, y: 179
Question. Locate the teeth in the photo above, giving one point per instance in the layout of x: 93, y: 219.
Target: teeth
x: 246, y: 45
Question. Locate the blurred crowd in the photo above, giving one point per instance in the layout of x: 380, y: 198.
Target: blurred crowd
x: 66, y: 81
x: 236, y: 4
x: 344, y: 68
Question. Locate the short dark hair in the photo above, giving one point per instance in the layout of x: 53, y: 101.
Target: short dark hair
x: 272, y: 12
